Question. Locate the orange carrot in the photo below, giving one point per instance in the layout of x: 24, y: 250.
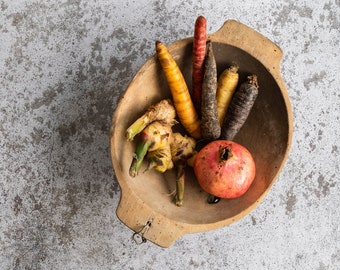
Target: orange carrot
x: 180, y: 93
x: 199, y: 47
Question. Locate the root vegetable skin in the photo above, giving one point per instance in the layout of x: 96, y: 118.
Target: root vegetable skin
x: 182, y: 147
x: 155, y: 136
x: 239, y: 108
x: 226, y: 86
x: 160, y: 159
x: 183, y: 103
x: 210, y: 126
x: 224, y: 169
x: 158, y: 133
x: 162, y: 111
x: 199, y: 51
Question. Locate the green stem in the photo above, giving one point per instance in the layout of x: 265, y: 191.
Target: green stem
x: 138, y: 157
x: 137, y: 127
x: 180, y: 179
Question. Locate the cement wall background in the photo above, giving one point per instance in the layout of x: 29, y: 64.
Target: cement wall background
x: 63, y: 67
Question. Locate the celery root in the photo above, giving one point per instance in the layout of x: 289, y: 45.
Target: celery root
x: 182, y: 148
x: 154, y: 136
x: 160, y: 159
x: 163, y: 111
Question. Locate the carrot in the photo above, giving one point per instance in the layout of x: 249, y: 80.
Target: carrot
x: 226, y: 86
x: 162, y: 111
x: 199, y: 47
x: 179, y: 90
x: 210, y: 126
x: 239, y: 108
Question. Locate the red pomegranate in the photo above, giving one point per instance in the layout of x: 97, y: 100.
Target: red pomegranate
x: 224, y: 169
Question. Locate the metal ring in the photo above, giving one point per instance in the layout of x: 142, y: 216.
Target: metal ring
x: 138, y: 236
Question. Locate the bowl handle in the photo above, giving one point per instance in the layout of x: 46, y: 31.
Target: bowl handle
x: 239, y: 35
x: 146, y: 223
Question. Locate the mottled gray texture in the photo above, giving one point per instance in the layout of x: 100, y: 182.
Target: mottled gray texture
x: 64, y: 65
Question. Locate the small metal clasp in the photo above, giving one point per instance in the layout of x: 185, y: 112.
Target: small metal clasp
x: 138, y: 236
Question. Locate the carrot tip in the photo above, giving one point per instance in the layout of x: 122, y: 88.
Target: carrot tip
x: 200, y: 18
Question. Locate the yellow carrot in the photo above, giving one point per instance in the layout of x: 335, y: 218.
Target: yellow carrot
x: 184, y: 106
x: 226, y: 86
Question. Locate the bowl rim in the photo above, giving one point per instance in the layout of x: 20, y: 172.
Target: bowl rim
x: 169, y: 230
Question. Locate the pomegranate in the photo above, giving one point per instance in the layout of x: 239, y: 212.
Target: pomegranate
x: 224, y: 169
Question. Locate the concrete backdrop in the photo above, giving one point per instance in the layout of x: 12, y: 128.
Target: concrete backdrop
x: 64, y: 65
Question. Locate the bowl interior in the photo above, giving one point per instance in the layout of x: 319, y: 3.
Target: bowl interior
x: 265, y: 134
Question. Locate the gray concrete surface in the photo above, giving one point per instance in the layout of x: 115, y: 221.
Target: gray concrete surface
x: 63, y: 67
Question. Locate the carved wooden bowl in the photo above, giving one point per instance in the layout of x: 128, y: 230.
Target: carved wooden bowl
x: 145, y: 205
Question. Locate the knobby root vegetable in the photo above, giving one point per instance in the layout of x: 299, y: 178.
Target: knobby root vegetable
x: 183, y: 103
x: 160, y: 159
x: 178, y: 150
x: 199, y: 50
x: 239, y: 108
x: 156, y: 135
x: 182, y: 148
x: 210, y: 126
x: 162, y: 111
x: 226, y: 86
x: 191, y: 160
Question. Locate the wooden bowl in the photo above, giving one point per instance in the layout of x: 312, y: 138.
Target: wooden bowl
x: 145, y: 205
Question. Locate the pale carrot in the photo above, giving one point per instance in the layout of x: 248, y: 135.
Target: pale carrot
x: 226, y: 86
